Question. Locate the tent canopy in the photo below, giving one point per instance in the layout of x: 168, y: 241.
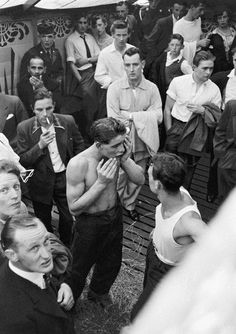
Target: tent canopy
x: 54, y: 4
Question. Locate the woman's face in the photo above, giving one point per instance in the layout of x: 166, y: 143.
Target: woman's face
x: 223, y: 20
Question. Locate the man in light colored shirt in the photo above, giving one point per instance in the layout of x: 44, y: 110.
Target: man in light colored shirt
x: 136, y: 102
x: 82, y: 53
x: 189, y: 96
x: 46, y: 143
x: 110, y: 65
x: 122, y: 12
x: 28, y: 299
x: 158, y: 40
x: 189, y: 27
x: 230, y: 89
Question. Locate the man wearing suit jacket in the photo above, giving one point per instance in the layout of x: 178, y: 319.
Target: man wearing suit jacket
x: 159, y: 38
x: 12, y: 112
x: 29, y: 301
x: 46, y: 143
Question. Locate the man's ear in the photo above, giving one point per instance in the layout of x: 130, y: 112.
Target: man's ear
x: 11, y: 255
x: 98, y: 145
x: 143, y: 62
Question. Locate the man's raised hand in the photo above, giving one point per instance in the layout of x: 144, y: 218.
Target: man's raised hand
x: 107, y: 171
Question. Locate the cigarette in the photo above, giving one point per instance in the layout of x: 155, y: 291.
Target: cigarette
x: 47, y: 120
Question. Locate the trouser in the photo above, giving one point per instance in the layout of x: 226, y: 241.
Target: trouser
x: 154, y: 272
x: 89, y: 91
x: 43, y: 211
x: 226, y: 181
x: 172, y: 142
x: 97, y: 241
x: 128, y: 191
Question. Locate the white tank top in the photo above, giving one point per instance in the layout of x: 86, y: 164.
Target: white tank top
x: 167, y: 249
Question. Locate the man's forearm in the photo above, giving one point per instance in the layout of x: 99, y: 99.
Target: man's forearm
x: 135, y: 173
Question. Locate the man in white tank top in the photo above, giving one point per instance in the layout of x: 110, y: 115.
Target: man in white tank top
x: 178, y: 222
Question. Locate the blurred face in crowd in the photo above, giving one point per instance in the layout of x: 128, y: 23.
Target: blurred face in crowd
x: 10, y: 195
x: 47, y: 40
x: 197, y: 11
x: 120, y: 38
x: 234, y: 61
x: 43, y: 110
x: 203, y: 71
x: 100, y: 26
x: 175, y: 46
x: 82, y: 25
x: 133, y: 67
x: 122, y: 11
x: 178, y: 11
x: 223, y: 20
x: 36, y: 67
x: 153, y: 3
x: 32, y: 249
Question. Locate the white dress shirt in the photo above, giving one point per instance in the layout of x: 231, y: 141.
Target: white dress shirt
x: 110, y: 65
x: 184, y: 90
x: 230, y: 90
x: 57, y: 163
x: 75, y: 48
x: 35, y: 278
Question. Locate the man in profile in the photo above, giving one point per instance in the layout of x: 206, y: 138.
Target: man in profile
x: 28, y: 299
x: 93, y: 200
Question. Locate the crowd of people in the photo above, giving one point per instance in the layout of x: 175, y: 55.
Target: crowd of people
x: 150, y: 94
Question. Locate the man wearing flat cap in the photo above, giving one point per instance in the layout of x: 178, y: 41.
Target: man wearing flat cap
x: 47, y: 51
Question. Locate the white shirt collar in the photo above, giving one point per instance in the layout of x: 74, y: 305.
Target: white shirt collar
x: 170, y: 60
x: 231, y: 74
x: 33, y: 277
x: 174, y: 19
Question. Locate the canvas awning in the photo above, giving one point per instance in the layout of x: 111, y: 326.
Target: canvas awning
x: 54, y: 4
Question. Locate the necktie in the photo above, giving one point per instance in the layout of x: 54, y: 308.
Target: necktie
x: 47, y: 280
x: 86, y: 46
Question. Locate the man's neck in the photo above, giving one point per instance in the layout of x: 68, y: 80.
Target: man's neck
x: 119, y: 49
x: 170, y: 201
x: 189, y: 17
x: 102, y: 35
x: 198, y: 82
x: 134, y: 83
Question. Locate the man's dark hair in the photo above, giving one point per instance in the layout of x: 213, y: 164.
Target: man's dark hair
x: 202, y: 56
x: 18, y: 222
x: 121, y: 3
x: 105, y: 129
x: 40, y: 94
x: 170, y: 170
x: 132, y: 51
x: 178, y: 37
x: 119, y: 24
x: 99, y: 17
x: 9, y: 167
x: 195, y: 3
x: 34, y: 57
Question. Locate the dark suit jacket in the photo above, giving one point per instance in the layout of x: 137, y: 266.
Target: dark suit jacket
x: 26, y: 309
x: 69, y: 142
x: 10, y: 104
x: 26, y: 92
x: 53, y: 63
x: 225, y: 137
x: 158, y: 40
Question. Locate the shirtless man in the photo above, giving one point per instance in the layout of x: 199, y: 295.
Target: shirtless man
x: 93, y: 200
x: 178, y: 222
